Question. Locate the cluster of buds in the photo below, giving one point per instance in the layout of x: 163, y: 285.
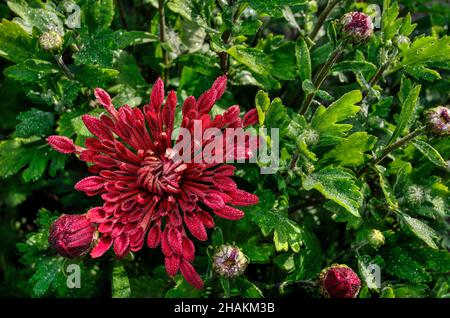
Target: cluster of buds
x: 438, y: 119
x: 50, y: 41
x: 72, y: 235
x: 229, y: 261
x: 339, y: 281
x: 356, y: 27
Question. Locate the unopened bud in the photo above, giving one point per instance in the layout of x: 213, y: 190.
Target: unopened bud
x: 50, y: 41
x: 229, y: 261
x: 438, y: 120
x: 357, y: 26
x: 375, y: 238
x: 71, y: 235
x: 339, y: 281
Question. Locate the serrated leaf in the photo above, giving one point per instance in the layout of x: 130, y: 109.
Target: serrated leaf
x: 34, y: 122
x: 351, y: 152
x: 421, y: 230
x: 409, y: 101
x: 325, y: 120
x: 47, y: 271
x: 386, y: 188
x: 96, y: 49
x: 256, y: 60
x: 120, y: 283
x: 16, y: 44
x: 400, y: 264
x: 31, y: 70
x: 428, y: 151
x: 337, y: 185
x: 425, y: 53
x: 97, y: 15
x: 42, y: 16
x: 272, y: 219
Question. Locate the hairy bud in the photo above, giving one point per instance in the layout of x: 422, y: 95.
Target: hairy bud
x: 357, y: 27
x: 50, y: 41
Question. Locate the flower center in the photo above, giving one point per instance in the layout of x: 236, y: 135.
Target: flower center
x: 160, y: 175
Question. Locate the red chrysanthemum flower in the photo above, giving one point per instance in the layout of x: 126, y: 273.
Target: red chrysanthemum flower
x: 147, y: 192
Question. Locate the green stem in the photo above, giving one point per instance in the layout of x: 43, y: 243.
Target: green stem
x: 389, y: 149
x: 323, y: 72
x: 162, y: 39
x: 322, y: 17
x: 63, y: 66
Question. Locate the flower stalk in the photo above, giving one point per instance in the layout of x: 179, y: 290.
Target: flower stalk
x: 162, y: 39
x: 322, y: 17
x: 391, y: 148
x: 323, y: 72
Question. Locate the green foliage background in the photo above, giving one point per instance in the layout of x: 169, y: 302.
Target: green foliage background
x: 314, y: 211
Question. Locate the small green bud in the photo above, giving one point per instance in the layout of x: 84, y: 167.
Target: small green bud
x: 375, y: 238
x: 50, y: 41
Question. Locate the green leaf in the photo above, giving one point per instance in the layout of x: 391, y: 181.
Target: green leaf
x: 337, y: 185
x: 16, y: 44
x: 364, y: 262
x: 42, y: 16
x: 131, y: 38
x: 256, y: 60
x: 354, y: 66
x: 407, y: 113
x: 428, y: 151
x: 96, y: 49
x: 247, y: 289
x: 390, y: 23
x: 325, y: 120
x: 421, y: 230
x: 31, y: 70
x: 34, y: 122
x: 262, y: 103
x: 46, y: 273
x: 351, y: 151
x: 425, y: 53
x: 308, y: 262
x: 284, y: 64
x: 257, y: 253
x: 92, y: 76
x: 400, y: 264
x: 274, y: 219
x: 16, y: 154
x: 273, y: 8
x: 182, y: 289
x: 386, y: 188
x: 98, y: 14
x: 120, y: 283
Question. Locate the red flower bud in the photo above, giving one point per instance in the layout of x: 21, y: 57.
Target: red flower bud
x: 250, y: 118
x: 357, y: 26
x: 339, y: 281
x: 61, y: 144
x: 71, y: 235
